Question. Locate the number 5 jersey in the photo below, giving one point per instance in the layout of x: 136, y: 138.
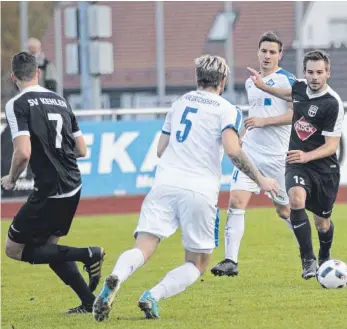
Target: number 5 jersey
x: 192, y: 160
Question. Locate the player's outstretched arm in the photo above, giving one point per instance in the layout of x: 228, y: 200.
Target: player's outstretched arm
x: 240, y: 159
x: 285, y: 94
x: 279, y: 120
x: 327, y: 149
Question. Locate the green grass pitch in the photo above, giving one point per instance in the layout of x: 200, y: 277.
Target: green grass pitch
x: 269, y: 292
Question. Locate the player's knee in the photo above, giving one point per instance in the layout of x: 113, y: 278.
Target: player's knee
x: 235, y: 202
x: 12, y: 252
x: 8, y: 251
x: 297, y: 197
x: 322, y: 225
x: 147, y: 243
x: 297, y: 202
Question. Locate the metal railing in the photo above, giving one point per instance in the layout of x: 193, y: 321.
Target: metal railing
x: 121, y: 114
x: 117, y: 114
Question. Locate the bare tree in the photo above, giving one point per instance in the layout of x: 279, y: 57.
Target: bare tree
x: 40, y: 13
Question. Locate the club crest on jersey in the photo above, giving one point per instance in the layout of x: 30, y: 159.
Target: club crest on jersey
x: 270, y: 83
x: 304, y: 129
x: 312, y: 111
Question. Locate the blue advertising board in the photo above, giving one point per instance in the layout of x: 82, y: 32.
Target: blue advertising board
x: 122, y: 157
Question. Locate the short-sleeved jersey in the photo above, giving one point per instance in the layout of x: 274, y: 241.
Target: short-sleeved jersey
x: 316, y: 116
x: 270, y: 140
x: 195, y: 123
x: 49, y: 121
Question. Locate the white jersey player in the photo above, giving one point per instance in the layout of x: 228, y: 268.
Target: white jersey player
x: 185, y: 192
x: 265, y: 140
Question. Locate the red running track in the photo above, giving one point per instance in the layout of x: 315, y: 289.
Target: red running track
x: 132, y: 204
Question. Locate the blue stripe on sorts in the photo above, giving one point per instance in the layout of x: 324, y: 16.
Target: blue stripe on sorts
x: 165, y: 132
x: 216, y: 229
x: 230, y: 126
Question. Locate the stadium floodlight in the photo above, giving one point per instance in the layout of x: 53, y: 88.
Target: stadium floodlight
x: 99, y: 21
x: 101, y: 58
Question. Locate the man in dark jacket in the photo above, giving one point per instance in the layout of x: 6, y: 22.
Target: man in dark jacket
x: 48, y: 78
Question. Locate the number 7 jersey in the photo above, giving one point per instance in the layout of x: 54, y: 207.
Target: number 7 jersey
x: 192, y: 160
x: 49, y: 121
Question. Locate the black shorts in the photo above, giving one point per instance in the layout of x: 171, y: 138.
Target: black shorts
x: 41, y: 217
x: 321, y: 188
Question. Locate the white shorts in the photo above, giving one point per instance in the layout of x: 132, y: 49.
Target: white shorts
x: 166, y: 208
x: 273, y: 167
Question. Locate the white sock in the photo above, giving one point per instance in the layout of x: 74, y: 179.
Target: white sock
x: 234, y: 230
x: 127, y: 263
x: 176, y: 281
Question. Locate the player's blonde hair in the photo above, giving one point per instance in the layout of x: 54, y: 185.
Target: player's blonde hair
x: 210, y: 71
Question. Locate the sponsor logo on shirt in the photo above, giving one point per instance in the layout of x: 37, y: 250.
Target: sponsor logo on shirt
x: 270, y: 83
x: 304, y: 129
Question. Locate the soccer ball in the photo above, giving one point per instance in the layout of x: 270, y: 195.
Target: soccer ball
x: 332, y: 274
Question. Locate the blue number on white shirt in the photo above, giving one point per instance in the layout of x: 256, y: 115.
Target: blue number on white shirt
x: 236, y: 173
x: 181, y: 137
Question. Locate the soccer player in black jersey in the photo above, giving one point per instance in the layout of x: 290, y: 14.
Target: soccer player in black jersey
x: 46, y: 135
x: 312, y: 170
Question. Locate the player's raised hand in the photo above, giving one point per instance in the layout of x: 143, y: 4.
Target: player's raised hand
x: 253, y: 122
x: 269, y: 185
x: 297, y: 156
x: 256, y: 78
x: 6, y: 183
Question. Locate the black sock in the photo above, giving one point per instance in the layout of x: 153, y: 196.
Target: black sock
x: 302, y: 229
x: 326, y: 240
x: 68, y: 272
x: 52, y: 253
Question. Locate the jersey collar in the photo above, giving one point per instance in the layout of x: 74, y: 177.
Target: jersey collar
x: 310, y: 96
x: 29, y: 88
x: 270, y: 75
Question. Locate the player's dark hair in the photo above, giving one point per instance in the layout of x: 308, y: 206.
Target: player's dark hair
x: 316, y: 55
x: 270, y: 37
x: 24, y: 66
